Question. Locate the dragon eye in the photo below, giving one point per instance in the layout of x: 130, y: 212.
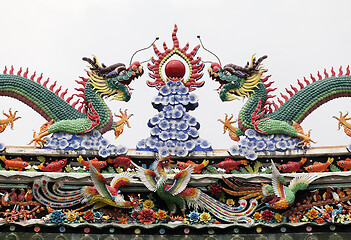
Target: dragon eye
x: 342, y: 163
x: 62, y: 162
x: 227, y: 73
x: 24, y: 164
x: 123, y: 72
x: 284, y: 167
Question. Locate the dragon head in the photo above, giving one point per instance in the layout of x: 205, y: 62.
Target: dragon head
x: 235, y: 80
x: 113, y: 80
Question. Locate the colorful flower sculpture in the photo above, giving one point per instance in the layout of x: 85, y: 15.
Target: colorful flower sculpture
x: 147, y: 216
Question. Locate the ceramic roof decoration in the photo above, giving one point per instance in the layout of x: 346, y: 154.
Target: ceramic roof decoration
x: 93, y: 192
x: 67, y: 121
x: 176, y: 64
x: 74, y: 181
x: 173, y: 129
x: 89, y: 141
x: 262, y: 115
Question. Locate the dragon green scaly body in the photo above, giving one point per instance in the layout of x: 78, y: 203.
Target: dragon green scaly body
x: 94, y: 114
x: 258, y: 112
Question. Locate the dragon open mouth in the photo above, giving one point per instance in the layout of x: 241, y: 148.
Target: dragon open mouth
x: 215, y: 76
x: 124, y: 91
x: 220, y: 87
x: 137, y: 71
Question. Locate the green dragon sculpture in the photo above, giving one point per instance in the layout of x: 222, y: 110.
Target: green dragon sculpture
x: 266, y: 116
x: 93, y: 113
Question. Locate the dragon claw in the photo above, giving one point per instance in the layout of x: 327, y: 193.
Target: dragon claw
x: 37, y: 139
x: 124, y: 117
x: 343, y: 120
x: 227, y: 122
x: 306, y: 139
x: 11, y: 117
x: 227, y: 125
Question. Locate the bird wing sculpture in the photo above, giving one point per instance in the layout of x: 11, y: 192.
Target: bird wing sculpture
x: 277, y: 195
x: 286, y: 195
x: 109, y: 194
x: 302, y: 182
x: 99, y: 182
x: 296, y: 184
x: 148, y: 177
x: 278, y: 182
x: 99, y: 195
x: 181, y: 181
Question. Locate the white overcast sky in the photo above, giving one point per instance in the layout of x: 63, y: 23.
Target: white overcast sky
x: 299, y: 37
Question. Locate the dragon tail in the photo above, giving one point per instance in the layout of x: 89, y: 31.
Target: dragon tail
x: 313, y: 94
x: 42, y: 98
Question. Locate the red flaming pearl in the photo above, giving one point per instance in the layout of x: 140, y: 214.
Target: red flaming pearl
x: 175, y: 69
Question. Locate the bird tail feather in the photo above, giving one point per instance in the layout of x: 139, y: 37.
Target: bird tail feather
x: 226, y: 213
